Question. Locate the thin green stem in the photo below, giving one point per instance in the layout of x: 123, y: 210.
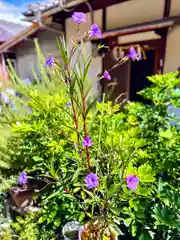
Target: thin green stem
x: 85, y: 127
x: 100, y: 127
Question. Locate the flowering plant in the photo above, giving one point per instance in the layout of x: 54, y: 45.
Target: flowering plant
x: 103, y: 150
x: 99, y: 159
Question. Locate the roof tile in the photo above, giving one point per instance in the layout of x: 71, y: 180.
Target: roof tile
x: 44, y: 6
x: 9, y: 29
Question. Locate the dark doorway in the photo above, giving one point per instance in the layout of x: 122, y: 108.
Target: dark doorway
x: 139, y: 72
x: 118, y: 88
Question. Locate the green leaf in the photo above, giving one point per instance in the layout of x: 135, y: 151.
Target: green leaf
x: 57, y: 193
x: 115, y: 211
x: 41, y: 219
x: 145, y: 236
x: 165, y: 216
x: 114, y: 188
x: 77, y: 189
x: 145, y: 173
x: 37, y: 158
x: 128, y: 221
x: 133, y: 229
x: 134, y: 203
x: 166, y: 134
x: 89, y: 193
x: 67, y: 195
x: 57, y: 223
x: 115, y: 230
x: 82, y: 216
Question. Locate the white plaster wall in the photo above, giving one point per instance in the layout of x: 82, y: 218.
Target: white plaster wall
x: 26, y: 54
x: 172, y: 57
x: 175, y: 7
x: 137, y: 37
x: 133, y: 12
x: 26, y: 59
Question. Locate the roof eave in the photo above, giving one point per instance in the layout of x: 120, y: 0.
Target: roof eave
x: 143, y: 27
x: 19, y: 37
x: 53, y: 11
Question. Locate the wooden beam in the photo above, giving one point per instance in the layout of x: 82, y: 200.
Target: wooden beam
x: 135, y: 29
x: 95, y: 5
x: 142, y: 27
x: 51, y: 29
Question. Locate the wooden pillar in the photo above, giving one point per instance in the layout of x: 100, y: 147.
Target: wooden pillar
x: 167, y: 8
x: 104, y: 20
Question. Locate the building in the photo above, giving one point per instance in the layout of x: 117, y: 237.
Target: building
x: 153, y: 26
x: 7, y: 31
x: 22, y: 45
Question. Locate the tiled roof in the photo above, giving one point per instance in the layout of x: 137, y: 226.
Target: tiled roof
x: 44, y: 6
x: 9, y: 29
x: 19, y: 37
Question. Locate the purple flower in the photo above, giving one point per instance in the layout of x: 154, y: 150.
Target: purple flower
x: 133, y: 54
x: 87, y: 142
x: 27, y: 81
x: 132, y: 182
x: 94, y: 31
x: 5, y: 98
x: 107, y: 75
x: 91, y: 180
x: 22, y: 179
x: 13, y: 106
x: 78, y: 17
x: 68, y: 104
x: 50, y: 61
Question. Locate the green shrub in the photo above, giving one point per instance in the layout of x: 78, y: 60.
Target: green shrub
x: 138, y: 141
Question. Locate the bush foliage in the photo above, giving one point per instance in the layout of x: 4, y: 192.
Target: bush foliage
x: 44, y: 136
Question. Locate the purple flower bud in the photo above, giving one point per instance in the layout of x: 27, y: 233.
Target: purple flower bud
x: 91, y: 180
x: 132, y: 182
x: 133, y: 54
x: 13, y: 106
x: 50, y: 62
x: 87, y: 142
x: 95, y: 31
x: 5, y: 97
x: 68, y: 104
x: 78, y: 17
x: 107, y: 75
x: 27, y: 81
x: 22, y: 179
